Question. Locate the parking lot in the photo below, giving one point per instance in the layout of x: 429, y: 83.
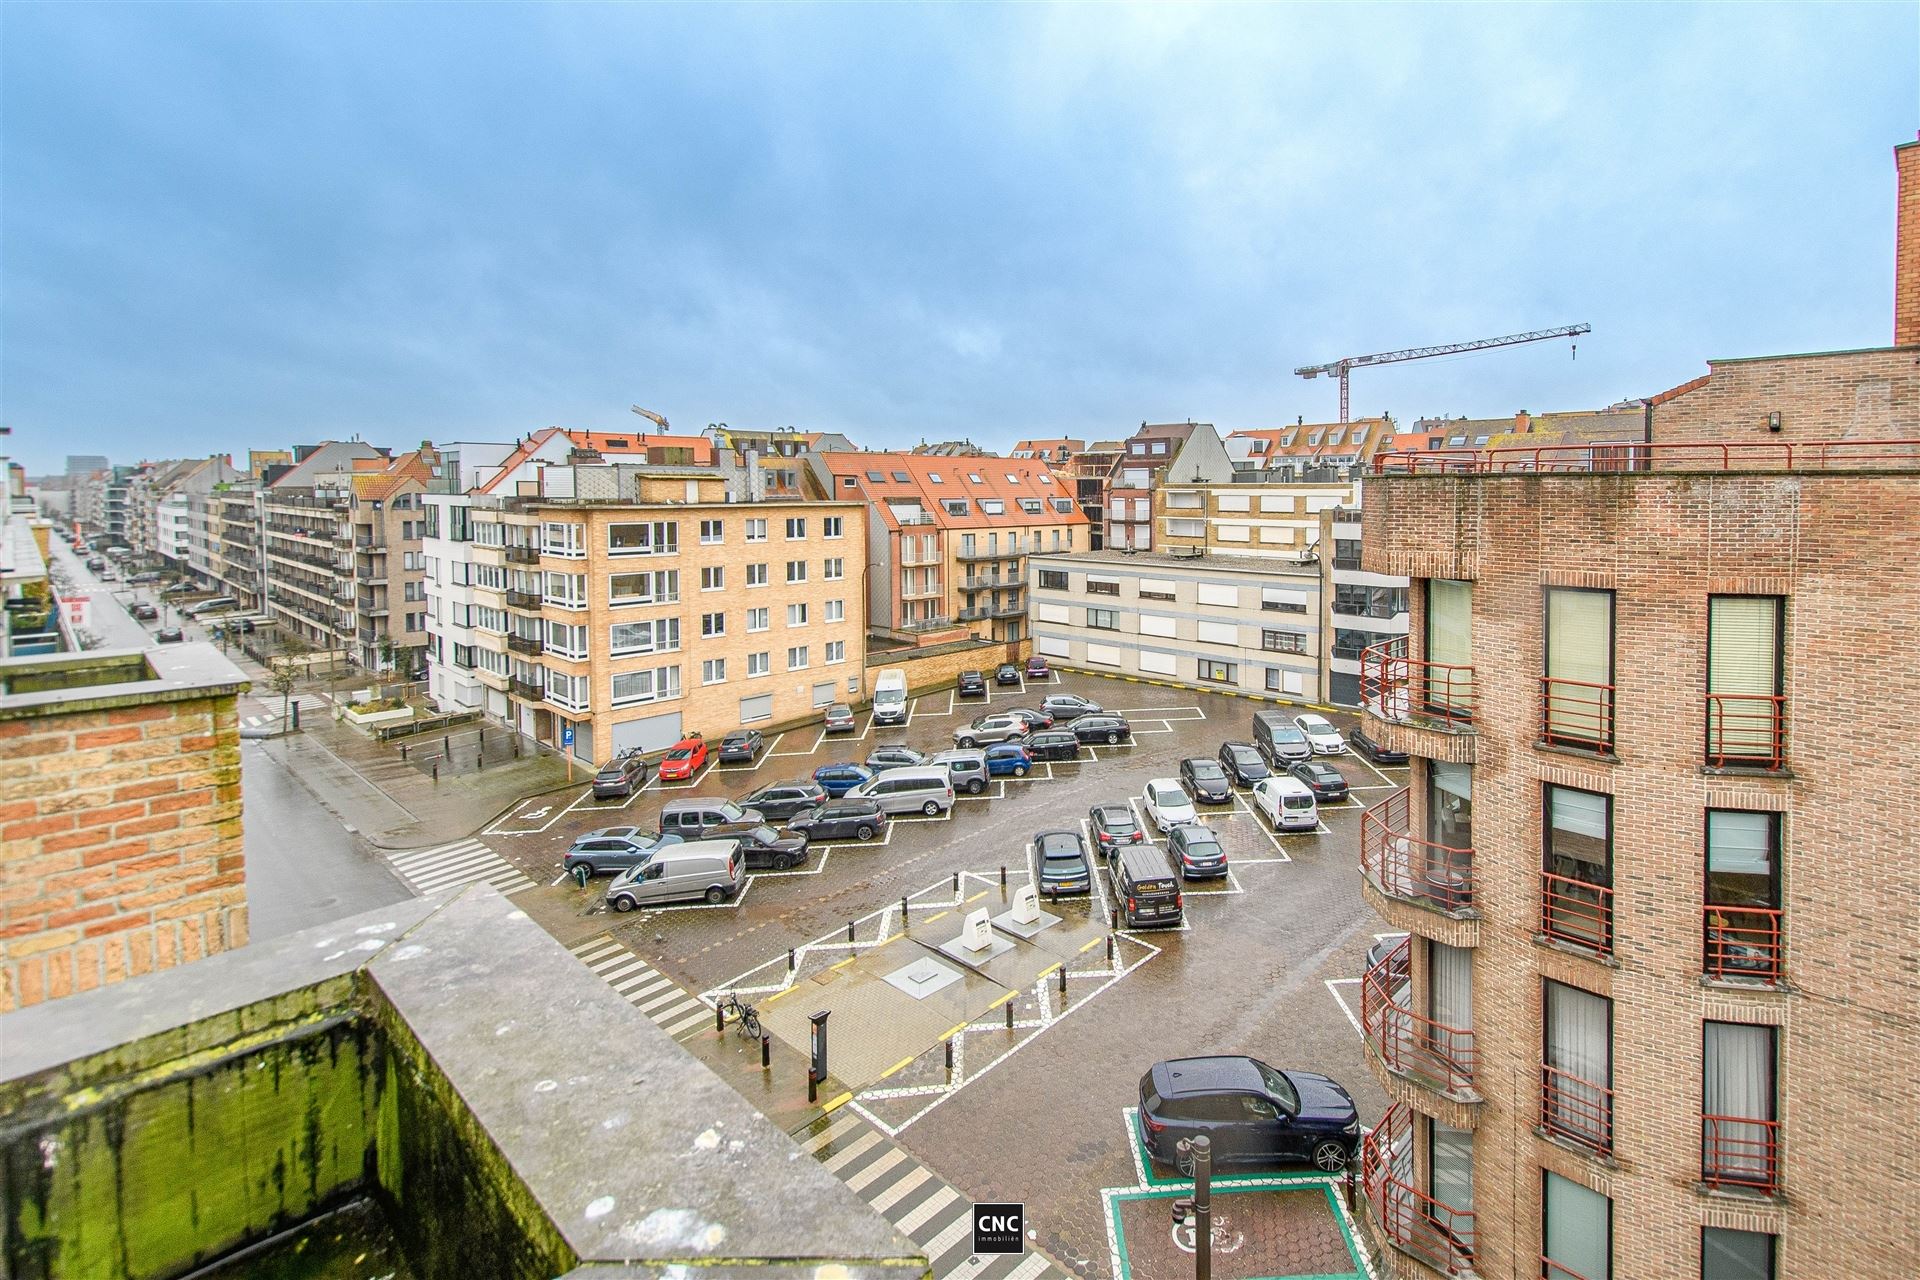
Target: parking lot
x: 1266, y: 962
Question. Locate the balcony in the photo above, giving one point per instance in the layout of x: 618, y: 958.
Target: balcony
x: 1403, y: 866
x: 522, y: 555
x: 1407, y: 1218
x: 1577, y: 912
x: 1411, y: 1044
x: 1746, y: 730
x: 974, y: 615
x: 1423, y: 708
x: 926, y: 624
x: 967, y: 556
x: 371, y: 604
x: 1740, y: 1153
x: 1011, y: 609
x: 523, y: 599
x: 524, y: 644
x: 527, y: 689
x: 989, y: 584
x: 1742, y: 944
x: 1576, y: 714
x: 368, y: 633
x: 1578, y: 1110
x: 364, y: 573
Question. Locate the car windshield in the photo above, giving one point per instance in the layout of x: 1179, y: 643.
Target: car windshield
x: 1243, y: 755
x: 1206, y: 771
x: 766, y: 835
x: 732, y: 811
x: 680, y: 753
x: 1165, y: 795
x: 1203, y: 847
x: 1280, y: 1087
x: 1314, y: 724
x: 1288, y: 735
x: 1064, y: 857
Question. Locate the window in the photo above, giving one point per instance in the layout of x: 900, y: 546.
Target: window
x: 1031, y: 506
x: 833, y: 569
x: 832, y: 526
x: 558, y: 539
x: 566, y: 641
x: 1576, y: 1073
x: 712, y: 531
x: 1351, y: 644
x: 797, y: 658
x: 662, y: 586
x: 1576, y: 879
x: 1745, y: 720
x: 1283, y: 641
x: 1445, y: 686
x: 954, y: 506
x: 757, y: 575
x: 1450, y: 817
x: 756, y: 531
x: 652, y: 538
x: 631, y: 687
x: 796, y: 571
x: 1102, y: 620
x: 836, y: 611
x: 1726, y: 1254
x: 836, y: 651
x: 713, y: 624
x: 486, y: 618
x: 1217, y: 633
x: 1346, y: 553
x: 1743, y: 895
x: 1186, y: 528
x: 1156, y: 589
x: 757, y: 664
x: 713, y: 671
x: 568, y: 691
x: 567, y: 590
x: 1103, y: 586
x: 797, y: 615
x: 1369, y: 602
x: 463, y: 656
x: 1218, y: 672
x: 713, y: 577
x: 624, y: 638
x: 1576, y: 695
x: 1053, y: 580
x: 757, y: 620
x: 1738, y: 1136
x: 1281, y: 600
x: 796, y: 528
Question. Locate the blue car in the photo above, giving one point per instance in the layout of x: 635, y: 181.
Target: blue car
x: 838, y: 779
x: 1008, y: 759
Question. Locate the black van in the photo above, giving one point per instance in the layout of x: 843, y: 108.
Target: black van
x: 1145, y: 886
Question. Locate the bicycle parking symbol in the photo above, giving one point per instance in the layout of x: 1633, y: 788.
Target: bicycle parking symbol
x: 1186, y: 1235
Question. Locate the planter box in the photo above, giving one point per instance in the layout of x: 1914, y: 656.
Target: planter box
x: 366, y: 719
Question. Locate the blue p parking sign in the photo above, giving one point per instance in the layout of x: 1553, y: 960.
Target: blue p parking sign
x: 566, y: 735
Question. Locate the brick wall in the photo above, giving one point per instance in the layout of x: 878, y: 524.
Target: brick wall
x: 1843, y: 395
x: 1906, y: 246
x: 939, y: 666
x: 120, y: 844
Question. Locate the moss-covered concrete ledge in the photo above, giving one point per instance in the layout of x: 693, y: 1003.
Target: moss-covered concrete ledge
x: 513, y: 1115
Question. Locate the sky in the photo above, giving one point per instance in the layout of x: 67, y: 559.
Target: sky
x: 232, y: 226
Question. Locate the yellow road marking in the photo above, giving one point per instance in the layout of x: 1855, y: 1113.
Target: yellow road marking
x: 1091, y: 945
x: 953, y: 1030
x: 904, y: 1062
x: 836, y: 1104
x: 976, y: 897
x: 844, y: 963
x: 931, y: 919
x: 1048, y: 971
x: 778, y: 995
x: 1003, y: 999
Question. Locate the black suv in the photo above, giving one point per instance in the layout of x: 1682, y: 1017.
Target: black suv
x: 1326, y: 782
x: 779, y: 801
x: 619, y: 776
x: 1007, y: 674
x: 841, y: 820
x: 742, y: 746
x: 1243, y: 763
x: 1205, y: 781
x: 972, y: 685
x: 1250, y: 1113
x: 764, y: 848
x: 1104, y: 727
x: 1053, y: 744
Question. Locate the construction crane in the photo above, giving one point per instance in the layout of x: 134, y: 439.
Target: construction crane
x: 651, y: 415
x: 1347, y: 364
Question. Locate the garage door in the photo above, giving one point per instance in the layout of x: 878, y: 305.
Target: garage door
x: 655, y: 733
x: 757, y: 708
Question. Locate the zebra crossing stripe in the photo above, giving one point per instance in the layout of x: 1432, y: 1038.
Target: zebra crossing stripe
x: 949, y: 1236
x: 931, y: 1205
x: 900, y: 1190
x: 829, y: 1133
x: 451, y: 866
x: 1031, y: 1268
x: 867, y: 1176
x: 840, y: 1161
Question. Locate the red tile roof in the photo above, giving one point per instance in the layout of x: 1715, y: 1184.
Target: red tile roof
x: 912, y: 477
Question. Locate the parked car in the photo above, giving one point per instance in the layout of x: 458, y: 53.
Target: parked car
x: 966, y: 768
x: 710, y: 869
x: 973, y: 684
x: 614, y: 849
x: 1197, y: 851
x: 1145, y: 888
x: 1034, y: 719
x: 1279, y: 739
x: 999, y: 727
x: 1114, y: 825
x: 144, y: 612
x: 1363, y: 745
x: 1168, y: 804
x: 839, y: 718
x: 169, y: 635
x: 1243, y: 763
x: 143, y: 578
x: 1103, y: 727
x: 1321, y: 735
x: 779, y: 801
x: 1062, y: 862
x: 884, y: 758
x: 1251, y: 1113
x: 742, y: 746
x: 692, y: 819
x: 619, y: 776
x: 1008, y: 759
x: 1006, y: 674
x: 213, y: 604
x: 1037, y: 668
x: 840, y: 778
x: 1069, y: 706
x: 1387, y: 949
x: 1205, y: 781
x: 1327, y: 783
x: 842, y: 820
x: 1053, y: 744
x: 927, y: 790
x: 683, y: 759
x: 1287, y: 802
x: 764, y: 848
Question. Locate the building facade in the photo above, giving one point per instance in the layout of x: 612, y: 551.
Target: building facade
x: 1187, y: 451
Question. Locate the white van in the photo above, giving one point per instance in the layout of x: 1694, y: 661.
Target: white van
x: 710, y: 869
x: 890, y: 697
x: 1287, y: 802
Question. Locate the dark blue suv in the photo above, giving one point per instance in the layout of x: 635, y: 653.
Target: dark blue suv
x: 838, y: 779
x: 1251, y: 1113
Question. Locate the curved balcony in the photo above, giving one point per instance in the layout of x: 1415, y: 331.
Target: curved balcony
x: 1411, y: 1045
x: 1406, y: 871
x: 1430, y: 1231
x: 1423, y: 708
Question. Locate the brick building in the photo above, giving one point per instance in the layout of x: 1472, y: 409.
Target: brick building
x: 120, y: 845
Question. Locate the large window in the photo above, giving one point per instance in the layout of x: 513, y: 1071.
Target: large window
x: 631, y: 687
x: 567, y: 590
x: 1746, y: 722
x: 1726, y: 1254
x: 1053, y: 580
x: 796, y: 571
x: 558, y: 539
x: 1576, y: 1074
x: 662, y: 636
x: 1445, y: 684
x: 1743, y: 895
x: 1737, y: 1130
x: 1369, y: 602
x: 1103, y: 586
x: 1450, y: 804
x: 712, y: 531
x: 1283, y: 641
x: 1577, y: 1231
x: 1102, y: 620
x: 645, y: 538
x: 1218, y: 672
x: 566, y: 641
x: 1576, y: 695
x: 662, y: 586
x: 1576, y: 879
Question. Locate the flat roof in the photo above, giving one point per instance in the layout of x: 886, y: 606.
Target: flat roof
x: 1259, y: 566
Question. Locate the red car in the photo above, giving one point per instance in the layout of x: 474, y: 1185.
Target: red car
x: 686, y: 758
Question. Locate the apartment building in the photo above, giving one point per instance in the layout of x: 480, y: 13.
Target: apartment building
x: 1056, y: 453
x: 949, y: 537
x: 1656, y: 857
x: 1309, y: 451
x: 302, y: 539
x: 1086, y: 473
x: 1188, y: 451
x: 636, y: 604
x: 1223, y: 624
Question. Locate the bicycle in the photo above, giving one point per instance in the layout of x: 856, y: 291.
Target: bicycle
x: 748, y: 1016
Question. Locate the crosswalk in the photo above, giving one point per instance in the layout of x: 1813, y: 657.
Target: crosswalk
x: 310, y: 705
x: 454, y: 866
x: 644, y: 987
x: 908, y: 1194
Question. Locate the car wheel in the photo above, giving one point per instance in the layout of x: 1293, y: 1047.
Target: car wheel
x: 968, y: 742
x: 588, y: 867
x: 782, y: 861
x: 1329, y: 1157
x: 716, y: 895
x: 623, y: 904
x: 1183, y: 1161
x: 975, y: 787
x: 1113, y: 737
x: 1019, y: 771
x: 931, y: 809
x: 864, y: 831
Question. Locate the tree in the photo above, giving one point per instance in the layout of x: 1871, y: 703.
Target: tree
x: 283, y: 671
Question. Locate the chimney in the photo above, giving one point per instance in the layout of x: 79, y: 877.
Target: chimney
x: 1906, y: 246
x: 1522, y: 422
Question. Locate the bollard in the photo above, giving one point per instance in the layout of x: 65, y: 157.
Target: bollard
x: 403, y: 751
x: 1003, y: 877
x: 1109, y: 951
x: 766, y: 1050
x: 849, y: 933
x: 949, y: 1055
x: 720, y: 1019
x: 956, y: 882
x: 792, y: 960
x: 446, y: 745
x: 296, y: 715
x: 479, y: 761
x: 1203, y: 1208
x: 813, y: 1086
x: 436, y: 771
x: 1009, y: 1015
x: 1063, y: 980
x: 516, y: 746
x: 1113, y: 918
x: 1352, y: 1208
x: 903, y: 915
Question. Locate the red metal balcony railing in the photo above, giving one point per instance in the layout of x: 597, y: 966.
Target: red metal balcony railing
x: 1798, y: 455
x: 1742, y: 942
x: 1407, y: 1042
x: 1411, y: 1220
x: 1396, y: 687
x: 1736, y: 1151
x: 1576, y: 713
x: 1403, y: 866
x: 1551, y: 1270
x: 1576, y: 911
x: 1746, y: 729
x: 1576, y: 1109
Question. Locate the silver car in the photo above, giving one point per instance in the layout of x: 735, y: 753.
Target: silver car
x: 968, y: 769
x: 1002, y: 726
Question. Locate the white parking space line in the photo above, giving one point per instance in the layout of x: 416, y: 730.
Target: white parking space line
x: 1376, y: 771
x: 1333, y: 986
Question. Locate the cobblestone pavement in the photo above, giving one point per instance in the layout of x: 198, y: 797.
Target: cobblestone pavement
x: 1267, y: 963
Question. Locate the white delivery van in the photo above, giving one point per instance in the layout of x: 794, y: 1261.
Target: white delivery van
x: 890, y: 697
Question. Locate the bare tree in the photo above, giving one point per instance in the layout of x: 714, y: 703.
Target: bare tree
x: 283, y: 671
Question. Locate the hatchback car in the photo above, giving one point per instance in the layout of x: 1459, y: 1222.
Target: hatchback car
x: 1069, y: 706
x: 1321, y: 735
x: 973, y: 684
x: 683, y: 759
x: 144, y: 612
x: 1053, y: 744
x: 839, y: 718
x: 838, y: 779
x: 841, y: 820
x: 1326, y: 782
x: 1168, y: 804
x: 998, y: 727
x: 742, y: 746
x: 1114, y: 825
x: 1006, y: 674
x: 1104, y: 727
x: 966, y: 768
x: 1197, y: 851
x: 1363, y: 745
x: 1243, y: 763
x: 1008, y: 760
x: 619, y: 776
x: 1061, y: 857
x: 1250, y: 1113
x: 1037, y: 668
x: 884, y: 758
x: 765, y: 849
x: 1205, y: 781
x: 779, y: 801
x: 614, y: 849
x: 1034, y: 719
x: 169, y: 635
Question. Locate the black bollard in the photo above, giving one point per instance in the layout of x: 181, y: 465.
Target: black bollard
x: 1063, y: 980
x: 1109, y: 951
x: 1009, y: 1015
x: 849, y: 932
x: 436, y: 771
x: 403, y: 751
x: 1003, y: 877
x: 720, y: 1019
x: 516, y: 746
x: 903, y: 915
x: 766, y: 1050
x: 296, y: 715
x: 949, y: 1053
x: 956, y: 882
x: 479, y: 761
x: 446, y: 744
x: 813, y: 1086
x: 792, y: 961
x: 1113, y: 918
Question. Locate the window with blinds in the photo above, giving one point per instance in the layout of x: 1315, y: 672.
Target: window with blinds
x: 1449, y: 673
x: 1577, y: 1230
x: 1745, y: 717
x: 1576, y: 697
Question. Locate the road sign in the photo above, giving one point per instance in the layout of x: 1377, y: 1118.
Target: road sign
x: 566, y: 735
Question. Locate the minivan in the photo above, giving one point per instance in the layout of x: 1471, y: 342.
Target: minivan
x: 691, y: 819
x: 890, y: 697
x: 710, y: 869
x: 1279, y: 738
x: 1287, y: 802
x: 1146, y: 887
x: 966, y: 769
x: 927, y: 790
